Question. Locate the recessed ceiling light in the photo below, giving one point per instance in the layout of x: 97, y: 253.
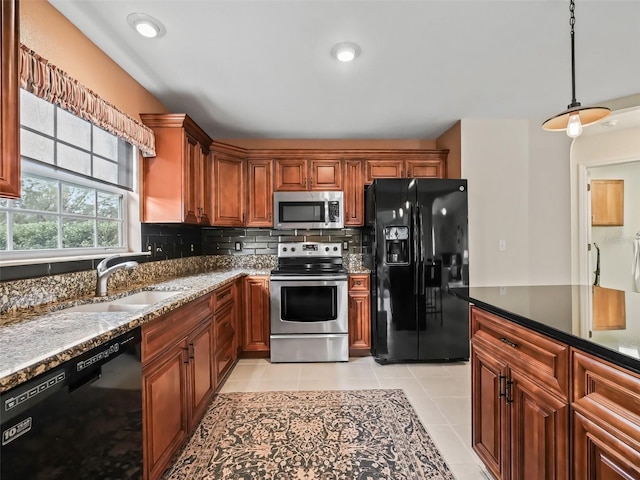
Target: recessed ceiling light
x: 345, y: 51
x: 610, y: 123
x: 146, y: 25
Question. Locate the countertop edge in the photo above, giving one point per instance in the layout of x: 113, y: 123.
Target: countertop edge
x: 583, y: 344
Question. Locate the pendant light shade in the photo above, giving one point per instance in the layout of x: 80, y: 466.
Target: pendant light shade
x: 575, y: 116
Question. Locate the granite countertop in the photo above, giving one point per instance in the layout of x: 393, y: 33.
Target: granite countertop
x: 37, y: 340
x: 564, y: 312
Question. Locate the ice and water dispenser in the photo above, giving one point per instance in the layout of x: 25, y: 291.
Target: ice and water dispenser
x: 396, y: 243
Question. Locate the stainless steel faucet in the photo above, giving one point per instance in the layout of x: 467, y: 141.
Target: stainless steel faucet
x: 104, y: 273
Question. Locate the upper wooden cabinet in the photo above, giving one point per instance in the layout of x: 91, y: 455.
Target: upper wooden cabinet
x: 229, y: 193
x: 607, y: 203
x: 353, y: 193
x: 608, y: 309
x: 174, y: 187
x: 320, y: 173
x: 426, y: 164
x: 260, y: 197
x: 10, y: 107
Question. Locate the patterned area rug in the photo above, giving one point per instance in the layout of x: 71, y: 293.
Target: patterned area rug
x: 319, y: 435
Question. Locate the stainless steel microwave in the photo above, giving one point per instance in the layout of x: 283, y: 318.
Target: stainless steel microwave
x: 308, y: 210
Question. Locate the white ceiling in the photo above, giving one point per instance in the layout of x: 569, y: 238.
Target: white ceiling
x: 262, y: 69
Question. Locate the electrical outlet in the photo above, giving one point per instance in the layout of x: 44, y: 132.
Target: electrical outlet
x: 345, y: 245
x: 502, y: 245
x: 238, y: 246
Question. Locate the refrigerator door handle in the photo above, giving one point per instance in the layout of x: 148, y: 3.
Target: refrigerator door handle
x: 421, y: 260
x: 416, y: 241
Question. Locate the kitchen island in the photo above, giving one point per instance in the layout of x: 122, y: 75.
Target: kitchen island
x: 555, y: 394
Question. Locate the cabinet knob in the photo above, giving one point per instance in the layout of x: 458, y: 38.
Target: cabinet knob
x: 359, y: 282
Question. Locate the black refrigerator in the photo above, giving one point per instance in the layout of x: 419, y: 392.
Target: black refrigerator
x: 416, y: 244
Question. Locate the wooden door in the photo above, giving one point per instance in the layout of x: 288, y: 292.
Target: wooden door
x: 425, y: 169
x: 256, y: 327
x: 325, y: 174
x: 539, y: 432
x: 260, y: 210
x: 353, y: 193
x: 201, y: 377
x: 291, y: 174
x: 164, y: 404
x: 229, y: 191
x: 598, y: 455
x: 384, y: 169
x: 191, y: 160
x: 489, y: 414
x: 10, y: 108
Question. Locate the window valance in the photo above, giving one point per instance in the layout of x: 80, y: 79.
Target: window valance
x: 48, y: 82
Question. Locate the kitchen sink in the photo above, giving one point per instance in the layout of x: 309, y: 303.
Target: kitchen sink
x: 146, y: 297
x: 106, y: 307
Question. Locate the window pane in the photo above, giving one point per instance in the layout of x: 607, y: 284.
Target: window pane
x: 109, y: 233
x: 105, y: 170
x: 77, y: 233
x: 74, y: 159
x: 105, y: 144
x: 36, y: 146
x: 33, y: 231
x: 108, y: 205
x: 3, y: 230
x: 78, y: 200
x: 38, y: 194
x: 36, y: 113
x: 73, y: 130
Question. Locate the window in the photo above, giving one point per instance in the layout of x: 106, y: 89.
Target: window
x: 76, y: 182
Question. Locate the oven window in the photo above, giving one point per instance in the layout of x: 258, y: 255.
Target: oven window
x: 309, y: 303
x: 292, y: 212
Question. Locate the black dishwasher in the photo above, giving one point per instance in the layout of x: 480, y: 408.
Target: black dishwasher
x: 80, y: 420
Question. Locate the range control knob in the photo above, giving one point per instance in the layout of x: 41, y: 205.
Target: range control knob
x: 335, y: 249
x: 284, y: 249
x: 293, y: 249
x: 326, y: 249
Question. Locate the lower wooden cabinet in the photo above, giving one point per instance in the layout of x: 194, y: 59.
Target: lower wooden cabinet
x: 359, y: 316
x: 256, y: 326
x: 200, y: 375
x: 605, y: 420
x: 520, y: 420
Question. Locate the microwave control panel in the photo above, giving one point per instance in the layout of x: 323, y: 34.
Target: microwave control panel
x: 334, y: 211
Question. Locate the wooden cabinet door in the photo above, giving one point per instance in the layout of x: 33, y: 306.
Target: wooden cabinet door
x: 10, y: 108
x: 539, y: 447
x: 325, y: 174
x: 201, y: 377
x: 353, y: 193
x: 425, y: 169
x: 384, y: 169
x: 489, y: 413
x: 359, y: 324
x: 164, y: 403
x: 229, y: 191
x: 260, y: 210
x: 291, y: 174
x: 203, y: 188
x: 191, y: 161
x: 256, y: 328
x: 607, y: 203
x: 598, y: 455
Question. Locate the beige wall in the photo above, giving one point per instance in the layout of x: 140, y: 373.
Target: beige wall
x: 51, y: 35
x: 452, y: 140
x: 518, y: 192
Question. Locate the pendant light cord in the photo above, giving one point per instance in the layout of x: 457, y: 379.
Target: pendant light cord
x: 572, y: 22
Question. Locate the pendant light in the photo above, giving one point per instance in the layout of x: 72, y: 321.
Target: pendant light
x: 574, y: 117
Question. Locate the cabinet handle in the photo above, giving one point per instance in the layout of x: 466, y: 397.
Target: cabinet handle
x: 227, y: 324
x: 502, y: 392
x: 509, y: 391
x: 508, y: 342
x: 305, y: 182
x: 192, y: 351
x: 243, y: 218
x: 269, y: 216
x: 186, y: 352
x: 226, y: 294
x: 358, y: 282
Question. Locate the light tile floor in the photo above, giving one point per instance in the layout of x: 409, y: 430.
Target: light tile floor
x: 439, y: 393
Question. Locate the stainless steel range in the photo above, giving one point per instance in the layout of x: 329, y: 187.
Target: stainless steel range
x: 309, y: 320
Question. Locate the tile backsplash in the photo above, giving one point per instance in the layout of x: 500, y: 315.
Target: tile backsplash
x: 264, y: 241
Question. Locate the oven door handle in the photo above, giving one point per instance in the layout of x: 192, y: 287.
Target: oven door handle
x: 309, y: 278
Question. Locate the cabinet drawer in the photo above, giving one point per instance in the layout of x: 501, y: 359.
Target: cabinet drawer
x: 225, y: 328
x: 533, y: 354
x: 222, y: 296
x: 164, y: 331
x: 224, y: 360
x: 359, y: 283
